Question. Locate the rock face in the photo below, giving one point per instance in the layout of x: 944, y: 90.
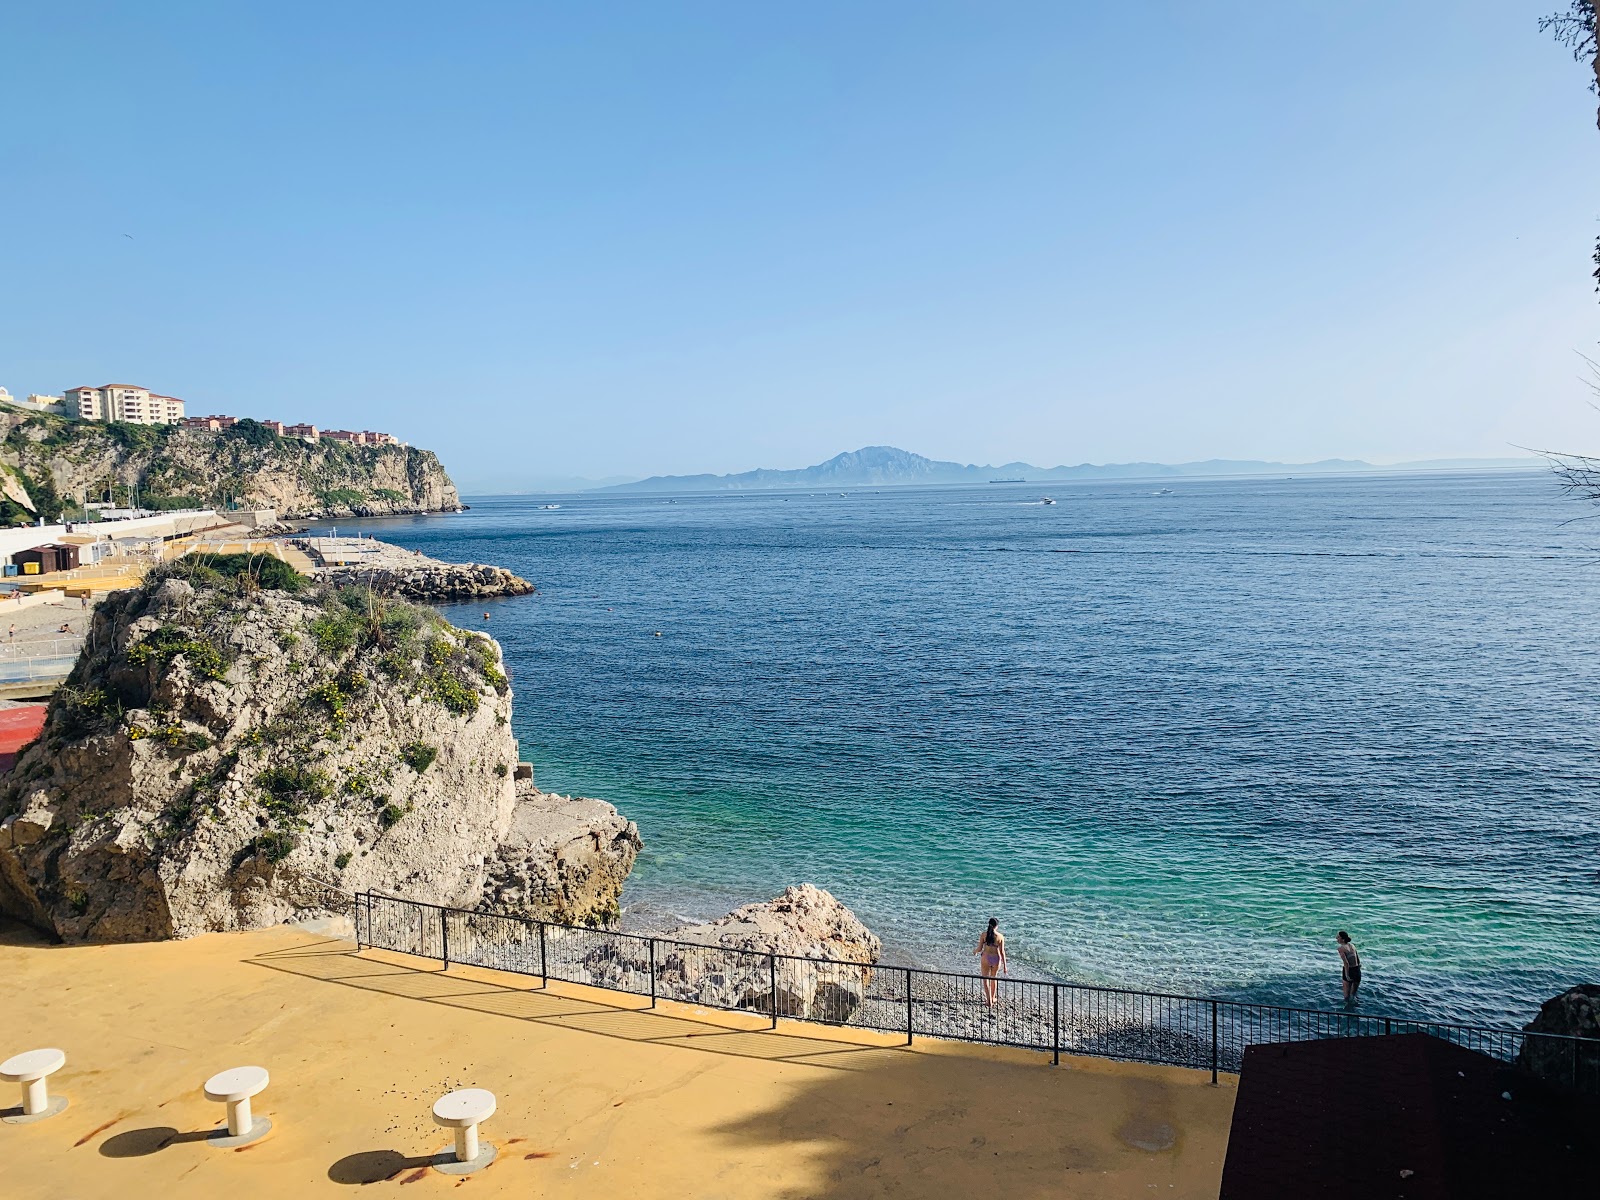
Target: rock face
x: 222, y: 754
x: 729, y: 962
x: 56, y: 457
x: 563, y: 859
x: 1574, y: 1013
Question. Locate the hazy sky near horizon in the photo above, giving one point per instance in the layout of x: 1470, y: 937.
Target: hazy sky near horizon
x: 638, y: 238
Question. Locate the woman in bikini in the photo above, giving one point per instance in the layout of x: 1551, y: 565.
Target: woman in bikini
x: 991, y: 954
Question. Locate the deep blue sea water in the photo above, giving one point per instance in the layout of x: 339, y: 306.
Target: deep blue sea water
x: 1171, y: 741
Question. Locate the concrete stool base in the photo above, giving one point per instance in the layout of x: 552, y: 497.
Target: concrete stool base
x: 446, y: 1161
x: 223, y: 1140
x: 57, y: 1104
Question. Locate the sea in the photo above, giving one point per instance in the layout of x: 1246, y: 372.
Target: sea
x: 1173, y: 735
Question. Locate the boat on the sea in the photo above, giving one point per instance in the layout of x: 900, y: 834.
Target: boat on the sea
x: 548, y: 507
x: 1046, y: 500
x: 1162, y: 492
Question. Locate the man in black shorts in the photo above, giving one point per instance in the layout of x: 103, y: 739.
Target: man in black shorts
x: 1351, y: 961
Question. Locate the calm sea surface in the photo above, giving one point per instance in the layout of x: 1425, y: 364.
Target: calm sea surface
x: 1171, y: 741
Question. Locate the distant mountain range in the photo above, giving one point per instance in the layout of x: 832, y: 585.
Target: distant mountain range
x: 886, y: 466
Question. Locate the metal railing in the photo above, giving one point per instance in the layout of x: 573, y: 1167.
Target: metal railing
x: 35, y: 670
x: 1207, y: 1033
x: 61, y: 646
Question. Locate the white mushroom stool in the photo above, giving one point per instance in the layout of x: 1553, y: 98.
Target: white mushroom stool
x: 30, y: 1070
x: 461, y: 1111
x: 234, y: 1088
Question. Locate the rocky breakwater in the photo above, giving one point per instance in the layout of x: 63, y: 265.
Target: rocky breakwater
x: 393, y: 571
x: 234, y: 744
x: 803, y: 952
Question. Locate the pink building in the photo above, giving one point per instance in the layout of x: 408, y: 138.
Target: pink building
x: 213, y: 423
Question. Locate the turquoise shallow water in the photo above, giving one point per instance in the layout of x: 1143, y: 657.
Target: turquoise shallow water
x: 1171, y: 741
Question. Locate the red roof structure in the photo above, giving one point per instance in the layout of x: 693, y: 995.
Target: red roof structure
x: 19, y: 728
x: 1404, y: 1117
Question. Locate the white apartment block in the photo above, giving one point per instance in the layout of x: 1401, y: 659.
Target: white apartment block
x: 123, y: 402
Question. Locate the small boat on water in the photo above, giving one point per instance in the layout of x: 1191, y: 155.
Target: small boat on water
x: 549, y: 507
x: 1162, y: 492
x: 1046, y: 500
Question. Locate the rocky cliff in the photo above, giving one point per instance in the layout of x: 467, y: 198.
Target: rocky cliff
x: 225, y: 750
x: 563, y: 859
x: 46, y: 462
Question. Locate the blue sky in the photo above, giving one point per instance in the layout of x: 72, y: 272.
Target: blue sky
x: 622, y: 239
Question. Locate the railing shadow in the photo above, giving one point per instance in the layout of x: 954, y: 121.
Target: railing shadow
x: 340, y: 963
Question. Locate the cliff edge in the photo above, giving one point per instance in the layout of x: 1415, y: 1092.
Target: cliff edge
x: 44, y: 459
x: 233, y: 742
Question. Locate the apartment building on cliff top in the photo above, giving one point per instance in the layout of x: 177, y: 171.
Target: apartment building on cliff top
x: 123, y: 402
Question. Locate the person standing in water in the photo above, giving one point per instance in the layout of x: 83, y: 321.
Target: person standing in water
x: 991, y: 954
x: 1351, y: 961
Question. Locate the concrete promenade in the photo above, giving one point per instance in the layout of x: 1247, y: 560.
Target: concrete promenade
x: 597, y: 1097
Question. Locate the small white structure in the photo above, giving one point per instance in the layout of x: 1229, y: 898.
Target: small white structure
x: 30, y: 1070
x: 462, y: 1111
x: 234, y: 1088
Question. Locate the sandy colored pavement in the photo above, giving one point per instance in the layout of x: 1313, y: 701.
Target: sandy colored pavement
x: 596, y: 1096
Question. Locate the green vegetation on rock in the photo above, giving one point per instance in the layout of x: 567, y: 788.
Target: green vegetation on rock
x: 55, y: 464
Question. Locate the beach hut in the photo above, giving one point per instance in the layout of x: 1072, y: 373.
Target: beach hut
x: 48, y: 558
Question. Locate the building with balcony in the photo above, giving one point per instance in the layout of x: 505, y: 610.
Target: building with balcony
x: 216, y: 424
x: 123, y: 402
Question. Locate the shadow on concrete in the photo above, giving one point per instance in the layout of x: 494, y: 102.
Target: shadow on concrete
x: 973, y: 1124
x: 341, y: 964
x: 375, y: 1166
x: 136, y: 1143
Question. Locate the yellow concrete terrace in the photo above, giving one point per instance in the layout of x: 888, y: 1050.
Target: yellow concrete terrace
x: 595, y: 1096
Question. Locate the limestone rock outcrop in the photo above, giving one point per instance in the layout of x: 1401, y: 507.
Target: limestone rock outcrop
x: 804, y: 953
x: 1575, y: 1013
x: 224, y: 755
x: 563, y: 859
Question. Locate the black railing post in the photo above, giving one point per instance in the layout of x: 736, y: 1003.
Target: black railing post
x: 1213, y: 1041
x: 357, y: 915
x: 1055, y: 1024
x: 908, y: 1006
x: 652, y: 972
x: 544, y: 971
x: 444, y: 936
x: 772, y: 966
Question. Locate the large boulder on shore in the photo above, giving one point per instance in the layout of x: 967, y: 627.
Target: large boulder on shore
x: 1575, y: 1013
x: 804, y: 953
x: 562, y: 859
x: 233, y: 749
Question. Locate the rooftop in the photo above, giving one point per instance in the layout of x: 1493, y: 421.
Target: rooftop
x: 597, y: 1096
